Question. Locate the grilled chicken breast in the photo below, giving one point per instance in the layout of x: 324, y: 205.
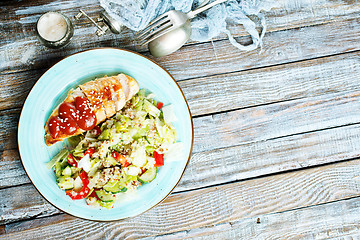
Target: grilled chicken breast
x: 94, y: 95
x: 49, y: 139
x: 104, y: 96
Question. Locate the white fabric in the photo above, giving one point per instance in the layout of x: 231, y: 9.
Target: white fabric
x: 136, y: 15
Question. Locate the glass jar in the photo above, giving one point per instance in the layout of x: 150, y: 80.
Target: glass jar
x: 54, y: 29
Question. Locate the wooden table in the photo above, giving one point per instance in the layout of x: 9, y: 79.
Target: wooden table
x: 277, y: 132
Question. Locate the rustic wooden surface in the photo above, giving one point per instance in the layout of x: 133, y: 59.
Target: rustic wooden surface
x: 277, y: 131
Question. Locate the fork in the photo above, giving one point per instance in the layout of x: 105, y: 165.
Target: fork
x: 168, y: 22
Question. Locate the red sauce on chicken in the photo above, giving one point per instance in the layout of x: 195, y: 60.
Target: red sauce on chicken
x: 72, y: 116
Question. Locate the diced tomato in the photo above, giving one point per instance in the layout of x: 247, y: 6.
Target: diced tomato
x: 120, y: 158
x: 90, y: 151
x: 83, y: 192
x: 159, y: 159
x: 115, y: 155
x: 71, y: 160
x: 97, y: 130
x: 159, y: 105
x: 84, y: 178
x: 78, y: 195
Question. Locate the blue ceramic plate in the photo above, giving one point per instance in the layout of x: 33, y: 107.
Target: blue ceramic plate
x: 52, y: 88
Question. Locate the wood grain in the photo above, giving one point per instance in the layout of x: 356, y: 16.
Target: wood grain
x: 278, y: 48
x: 315, y: 77
x: 226, y: 165
x: 210, y: 206
x: 297, y: 80
x: 251, y: 124
x: 275, y: 120
x: 254, y: 127
x: 257, y: 158
x: 317, y: 222
x: 258, y: 116
x: 240, y: 162
x: 271, y: 156
x: 8, y: 128
x: 12, y: 172
x: 14, y: 88
x: 247, y: 125
x: 236, y: 90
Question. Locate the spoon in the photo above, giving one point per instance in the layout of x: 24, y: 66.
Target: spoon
x: 175, y: 39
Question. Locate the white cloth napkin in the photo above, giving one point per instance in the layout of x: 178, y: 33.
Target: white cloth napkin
x: 136, y: 15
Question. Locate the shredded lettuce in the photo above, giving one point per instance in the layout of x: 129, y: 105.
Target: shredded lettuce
x: 57, y: 158
x: 123, y: 151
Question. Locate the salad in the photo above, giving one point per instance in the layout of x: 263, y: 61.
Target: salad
x: 118, y: 155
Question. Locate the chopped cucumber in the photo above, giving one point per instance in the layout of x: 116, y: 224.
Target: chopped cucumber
x: 150, y: 149
x: 75, y: 170
x: 107, y: 205
x: 67, y: 171
x: 149, y: 175
x: 105, y: 196
x: 65, y: 183
x: 115, y: 187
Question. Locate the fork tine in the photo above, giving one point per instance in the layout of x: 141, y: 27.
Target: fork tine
x: 144, y: 41
x: 152, y: 22
x: 152, y: 34
x: 158, y: 24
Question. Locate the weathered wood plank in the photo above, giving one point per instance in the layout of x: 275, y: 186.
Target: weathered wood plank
x: 235, y: 90
x: 279, y: 48
x: 12, y: 172
x: 29, y: 54
x: 270, y: 156
x: 205, y: 207
x: 15, y: 87
x: 25, y: 203
x: 297, y: 80
x: 282, y: 15
x: 275, y: 120
x: 250, y: 124
x: 240, y: 162
x: 8, y: 128
x: 337, y: 220
x: 227, y: 133
x: 273, y: 84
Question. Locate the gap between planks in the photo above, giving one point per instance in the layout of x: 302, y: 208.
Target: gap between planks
x: 258, y: 126
x: 294, y: 81
x: 299, y: 23
x: 322, y: 221
x: 227, y: 91
x: 212, y: 206
x: 217, y: 167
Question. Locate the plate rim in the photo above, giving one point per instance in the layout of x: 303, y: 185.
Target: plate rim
x: 191, y: 144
